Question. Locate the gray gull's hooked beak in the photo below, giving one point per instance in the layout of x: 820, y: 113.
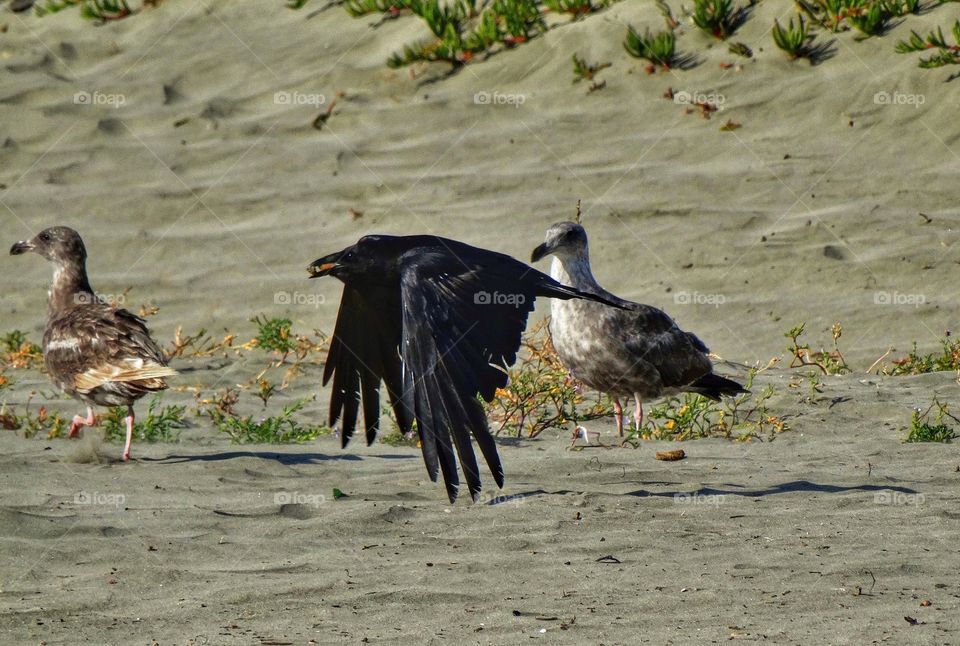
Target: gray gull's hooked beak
x: 540, y: 252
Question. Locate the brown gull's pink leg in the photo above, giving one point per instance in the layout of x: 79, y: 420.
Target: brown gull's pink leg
x: 618, y: 413
x: 638, y: 414
x: 79, y: 422
x: 129, y: 420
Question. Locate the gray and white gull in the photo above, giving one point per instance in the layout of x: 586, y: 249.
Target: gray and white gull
x: 638, y: 350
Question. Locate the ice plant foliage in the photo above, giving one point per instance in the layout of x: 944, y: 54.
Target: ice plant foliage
x: 659, y: 49
x: 947, y: 53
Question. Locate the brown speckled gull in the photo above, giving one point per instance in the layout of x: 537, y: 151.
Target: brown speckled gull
x: 93, y: 351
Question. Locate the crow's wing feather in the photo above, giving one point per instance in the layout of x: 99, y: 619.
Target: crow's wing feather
x: 462, y: 324
x: 364, y: 350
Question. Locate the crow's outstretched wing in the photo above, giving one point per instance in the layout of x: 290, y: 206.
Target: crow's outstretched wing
x: 462, y: 323
x: 445, y: 337
x: 365, y: 349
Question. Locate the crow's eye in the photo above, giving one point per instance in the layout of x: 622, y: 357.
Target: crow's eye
x: 349, y: 256
x: 45, y: 237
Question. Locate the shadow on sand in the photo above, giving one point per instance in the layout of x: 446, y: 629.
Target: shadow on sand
x: 795, y: 486
x: 282, y: 458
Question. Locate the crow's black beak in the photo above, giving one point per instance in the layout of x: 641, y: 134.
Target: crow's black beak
x: 540, y: 252
x: 21, y: 247
x: 325, y: 265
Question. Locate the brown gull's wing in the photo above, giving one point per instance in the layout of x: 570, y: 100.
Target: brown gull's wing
x: 95, y: 346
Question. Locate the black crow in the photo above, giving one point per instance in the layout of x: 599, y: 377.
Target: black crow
x: 438, y: 321
x: 93, y: 351
x: 631, y: 350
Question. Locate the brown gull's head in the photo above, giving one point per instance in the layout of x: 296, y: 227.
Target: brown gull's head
x: 59, y: 245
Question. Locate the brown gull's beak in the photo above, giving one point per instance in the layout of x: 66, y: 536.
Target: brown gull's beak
x: 21, y: 247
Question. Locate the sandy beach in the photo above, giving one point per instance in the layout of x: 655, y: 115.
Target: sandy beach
x: 191, y: 166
